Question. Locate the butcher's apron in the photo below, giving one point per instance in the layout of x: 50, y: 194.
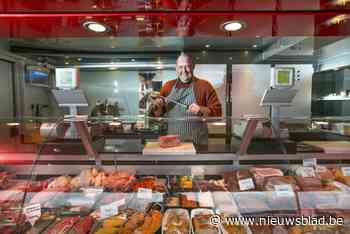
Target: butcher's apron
x: 182, y: 123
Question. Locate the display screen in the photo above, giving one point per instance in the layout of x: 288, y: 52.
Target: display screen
x: 283, y: 77
x: 37, y: 76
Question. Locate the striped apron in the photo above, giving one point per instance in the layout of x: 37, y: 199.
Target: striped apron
x: 182, y: 123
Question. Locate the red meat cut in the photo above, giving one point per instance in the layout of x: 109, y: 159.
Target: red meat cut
x: 169, y: 141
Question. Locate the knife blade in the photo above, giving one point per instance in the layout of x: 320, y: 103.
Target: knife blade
x: 176, y: 102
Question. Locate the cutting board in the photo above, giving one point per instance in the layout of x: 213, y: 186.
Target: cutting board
x: 331, y: 147
x: 153, y: 148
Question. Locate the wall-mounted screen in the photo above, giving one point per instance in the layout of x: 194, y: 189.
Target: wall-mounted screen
x: 37, y: 76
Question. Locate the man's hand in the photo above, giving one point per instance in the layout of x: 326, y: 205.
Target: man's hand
x: 156, y: 106
x: 194, y: 109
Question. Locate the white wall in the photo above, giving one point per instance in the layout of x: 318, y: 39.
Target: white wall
x: 250, y: 81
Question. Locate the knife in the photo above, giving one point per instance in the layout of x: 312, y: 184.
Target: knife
x: 176, y: 102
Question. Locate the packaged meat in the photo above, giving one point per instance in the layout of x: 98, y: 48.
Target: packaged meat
x: 169, y: 141
x: 176, y: 221
x: 271, y: 183
x: 172, y: 201
x: 309, y: 183
x: 4, y: 179
x: 112, y: 225
x: 151, y: 223
x: 133, y: 222
x: 156, y: 185
x: 201, y: 222
x: 118, y: 181
x: 59, y: 182
x: 341, y: 174
x: 232, y: 180
x: 230, y: 227
x: 324, y: 174
x: 188, y: 200
x: 89, y: 177
x: 260, y: 173
x: 63, y: 225
x: 83, y: 226
x: 210, y: 185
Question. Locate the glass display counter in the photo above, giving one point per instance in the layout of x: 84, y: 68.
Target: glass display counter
x: 223, y: 187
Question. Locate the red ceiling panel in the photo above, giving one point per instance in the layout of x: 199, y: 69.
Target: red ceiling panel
x: 70, y: 25
x: 146, y: 5
x: 64, y: 18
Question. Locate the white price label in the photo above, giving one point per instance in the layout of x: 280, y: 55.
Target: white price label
x: 308, y: 172
x: 109, y: 210
x: 310, y: 162
x: 284, y: 187
x: 345, y: 171
x: 144, y: 193
x: 92, y: 192
x: 284, y: 193
x: 197, y: 171
x: 157, y: 197
x: 246, y: 184
x: 32, y: 213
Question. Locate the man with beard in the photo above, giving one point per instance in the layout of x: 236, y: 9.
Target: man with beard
x: 185, y: 98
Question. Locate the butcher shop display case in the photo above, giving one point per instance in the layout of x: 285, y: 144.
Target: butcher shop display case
x: 98, y: 189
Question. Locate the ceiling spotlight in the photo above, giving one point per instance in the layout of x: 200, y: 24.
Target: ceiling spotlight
x: 255, y: 46
x: 95, y: 27
x: 79, y: 59
x: 133, y: 60
x: 67, y: 63
x: 233, y: 25
x: 207, y: 46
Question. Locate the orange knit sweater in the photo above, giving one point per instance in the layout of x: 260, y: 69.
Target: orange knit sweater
x: 205, y: 94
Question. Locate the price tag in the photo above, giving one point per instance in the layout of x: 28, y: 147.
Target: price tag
x: 32, y: 213
x: 144, y: 193
x: 92, y: 192
x: 246, y: 184
x: 283, y: 187
x: 197, y: 171
x: 308, y: 172
x: 157, y: 197
x: 109, y: 210
x: 345, y: 171
x: 284, y: 193
x: 310, y: 162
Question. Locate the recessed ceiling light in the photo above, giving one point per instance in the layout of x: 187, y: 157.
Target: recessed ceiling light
x: 133, y: 60
x: 67, y: 63
x: 255, y: 46
x: 140, y: 18
x: 207, y: 46
x: 79, y: 59
x: 95, y: 27
x: 12, y: 124
x: 233, y: 25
